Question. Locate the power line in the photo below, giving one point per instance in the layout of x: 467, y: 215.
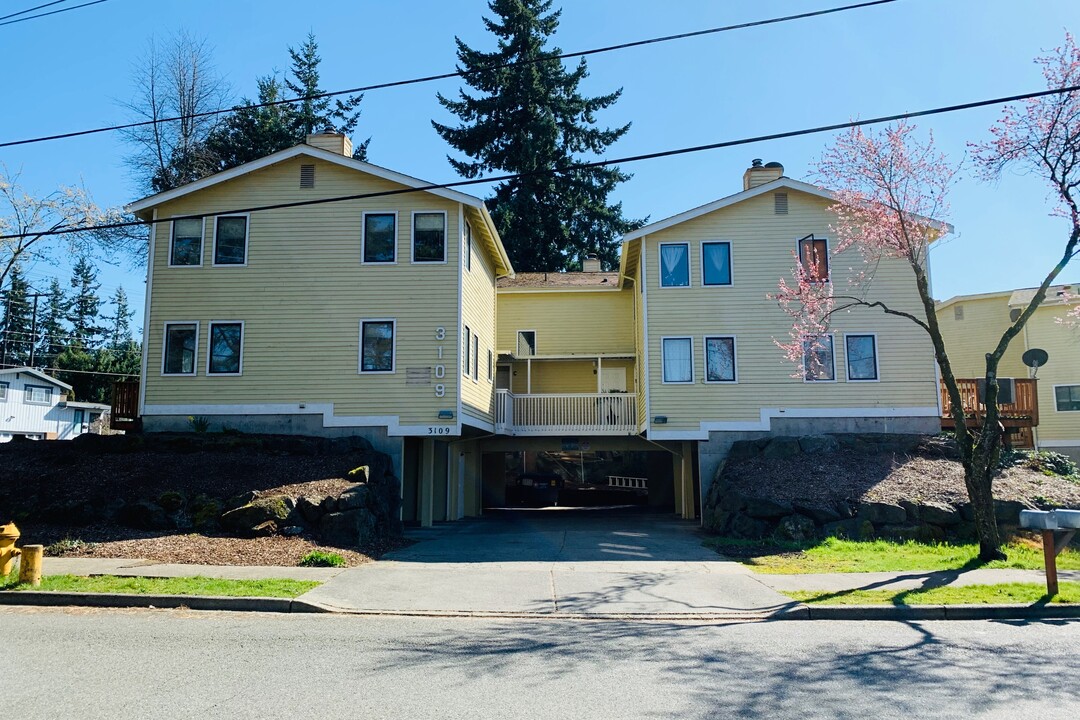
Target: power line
x: 571, y: 168
x: 445, y: 76
x: 51, y: 12
x: 27, y: 10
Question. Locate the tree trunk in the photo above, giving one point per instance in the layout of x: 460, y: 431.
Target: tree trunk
x: 979, y: 477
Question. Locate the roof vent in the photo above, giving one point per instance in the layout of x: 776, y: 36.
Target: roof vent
x: 780, y: 203
x: 307, y: 176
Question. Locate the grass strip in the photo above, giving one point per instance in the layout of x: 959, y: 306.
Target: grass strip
x: 835, y: 555
x: 1002, y: 594
x: 275, y: 587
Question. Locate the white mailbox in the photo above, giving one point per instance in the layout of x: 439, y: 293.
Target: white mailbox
x: 1068, y: 519
x: 1038, y: 520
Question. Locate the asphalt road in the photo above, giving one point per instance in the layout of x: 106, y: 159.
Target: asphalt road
x: 166, y: 664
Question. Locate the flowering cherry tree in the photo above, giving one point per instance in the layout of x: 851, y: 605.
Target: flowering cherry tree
x: 889, y: 187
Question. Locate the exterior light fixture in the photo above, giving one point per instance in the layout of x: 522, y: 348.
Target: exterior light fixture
x: 446, y: 414
x: 660, y: 420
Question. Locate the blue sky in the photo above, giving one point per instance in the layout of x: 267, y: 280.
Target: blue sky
x: 71, y: 71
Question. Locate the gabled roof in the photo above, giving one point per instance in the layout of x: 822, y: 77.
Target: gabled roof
x: 1055, y: 295
x: 140, y: 206
x: 36, y: 373
x: 561, y: 281
x: 783, y: 182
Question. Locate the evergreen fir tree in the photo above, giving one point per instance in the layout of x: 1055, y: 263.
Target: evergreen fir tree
x: 532, y: 118
x: 118, y: 327
x: 317, y: 114
x: 250, y: 133
x: 85, y: 304
x: 16, y: 329
x: 52, y: 332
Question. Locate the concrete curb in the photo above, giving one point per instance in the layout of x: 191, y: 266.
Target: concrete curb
x: 191, y: 602
x: 794, y: 612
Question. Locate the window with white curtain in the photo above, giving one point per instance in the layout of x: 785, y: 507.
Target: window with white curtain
x: 678, y: 355
x: 674, y: 265
x: 716, y: 263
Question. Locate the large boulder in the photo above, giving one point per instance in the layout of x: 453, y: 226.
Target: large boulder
x: 818, y: 444
x: 310, y: 509
x: 819, y: 513
x: 1008, y: 511
x: 796, y: 528
x: 355, y: 498
x: 743, y: 526
x: 941, y: 515
x: 145, y: 515
x: 781, y: 448
x: 352, y: 528
x: 851, y: 529
x: 248, y: 519
x: 882, y: 513
x: 766, y: 508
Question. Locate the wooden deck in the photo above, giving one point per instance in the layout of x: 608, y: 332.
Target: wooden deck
x: 1019, y: 417
x: 124, y: 413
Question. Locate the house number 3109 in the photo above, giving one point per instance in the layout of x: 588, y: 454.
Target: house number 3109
x: 440, y: 369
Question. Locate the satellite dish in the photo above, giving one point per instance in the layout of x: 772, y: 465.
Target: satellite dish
x: 1035, y: 358
x: 1014, y: 314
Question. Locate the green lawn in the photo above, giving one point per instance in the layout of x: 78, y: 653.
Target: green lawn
x: 834, y: 555
x: 1009, y: 593
x: 167, y: 586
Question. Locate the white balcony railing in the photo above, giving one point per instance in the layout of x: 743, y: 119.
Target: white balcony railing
x: 555, y: 414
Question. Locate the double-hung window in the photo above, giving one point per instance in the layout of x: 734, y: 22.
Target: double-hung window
x: 181, y: 347
x: 377, y: 346
x: 1067, y: 398
x: 715, y: 263
x: 466, y: 344
x: 231, y: 240
x: 814, y: 257
x: 526, y: 343
x: 379, y: 240
x: 674, y: 265
x: 3, y: 391
x: 429, y: 237
x: 720, y: 359
x: 185, y: 247
x: 226, y: 353
x: 819, y: 362
x: 38, y: 395
x: 678, y: 357
x: 861, y: 354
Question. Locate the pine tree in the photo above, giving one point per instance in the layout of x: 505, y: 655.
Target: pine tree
x: 118, y: 328
x: 85, y: 304
x: 317, y: 114
x: 52, y: 332
x: 532, y: 118
x: 16, y: 337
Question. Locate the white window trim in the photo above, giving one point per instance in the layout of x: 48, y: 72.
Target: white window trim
x: 28, y: 393
x: 475, y: 358
x: 808, y: 381
x: 677, y: 382
x: 847, y: 360
x: 210, y: 346
x: 202, y: 243
x: 467, y: 246
x: 734, y: 358
x: 1054, y: 390
x: 491, y: 366
x: 731, y: 267
x: 412, y: 238
x: 164, y: 347
x: 363, y: 235
x: 247, y: 240
x: 393, y: 347
x: 4, y: 389
x: 828, y: 258
x: 536, y: 342
x: 466, y: 357
x: 660, y: 266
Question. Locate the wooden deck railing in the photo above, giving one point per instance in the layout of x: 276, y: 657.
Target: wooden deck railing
x: 1018, y: 417
x: 548, y: 414
x: 124, y: 413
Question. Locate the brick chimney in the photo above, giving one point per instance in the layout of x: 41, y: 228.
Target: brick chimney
x: 758, y: 174
x: 591, y: 264
x: 331, y: 140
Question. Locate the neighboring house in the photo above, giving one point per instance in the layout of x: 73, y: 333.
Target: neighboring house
x: 33, y: 405
x: 972, y: 326
x: 398, y: 317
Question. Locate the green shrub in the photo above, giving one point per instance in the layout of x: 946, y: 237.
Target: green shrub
x: 1044, y: 461
x: 321, y: 558
x: 199, y: 424
x: 68, y: 546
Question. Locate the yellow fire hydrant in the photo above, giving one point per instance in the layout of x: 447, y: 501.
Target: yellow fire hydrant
x: 8, y: 552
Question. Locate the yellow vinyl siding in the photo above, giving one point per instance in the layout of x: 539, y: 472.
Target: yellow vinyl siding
x: 302, y: 296
x: 478, y: 312
x: 967, y: 341
x: 565, y: 376
x: 762, y: 247
x: 639, y: 346
x: 568, y: 323
x: 1062, y: 343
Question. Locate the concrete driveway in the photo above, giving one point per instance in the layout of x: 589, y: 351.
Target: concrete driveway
x: 558, y: 562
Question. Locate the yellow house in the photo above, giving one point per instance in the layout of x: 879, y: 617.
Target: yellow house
x: 394, y: 314
x: 973, y: 324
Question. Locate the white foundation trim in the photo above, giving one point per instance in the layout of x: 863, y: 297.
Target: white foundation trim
x: 768, y: 414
